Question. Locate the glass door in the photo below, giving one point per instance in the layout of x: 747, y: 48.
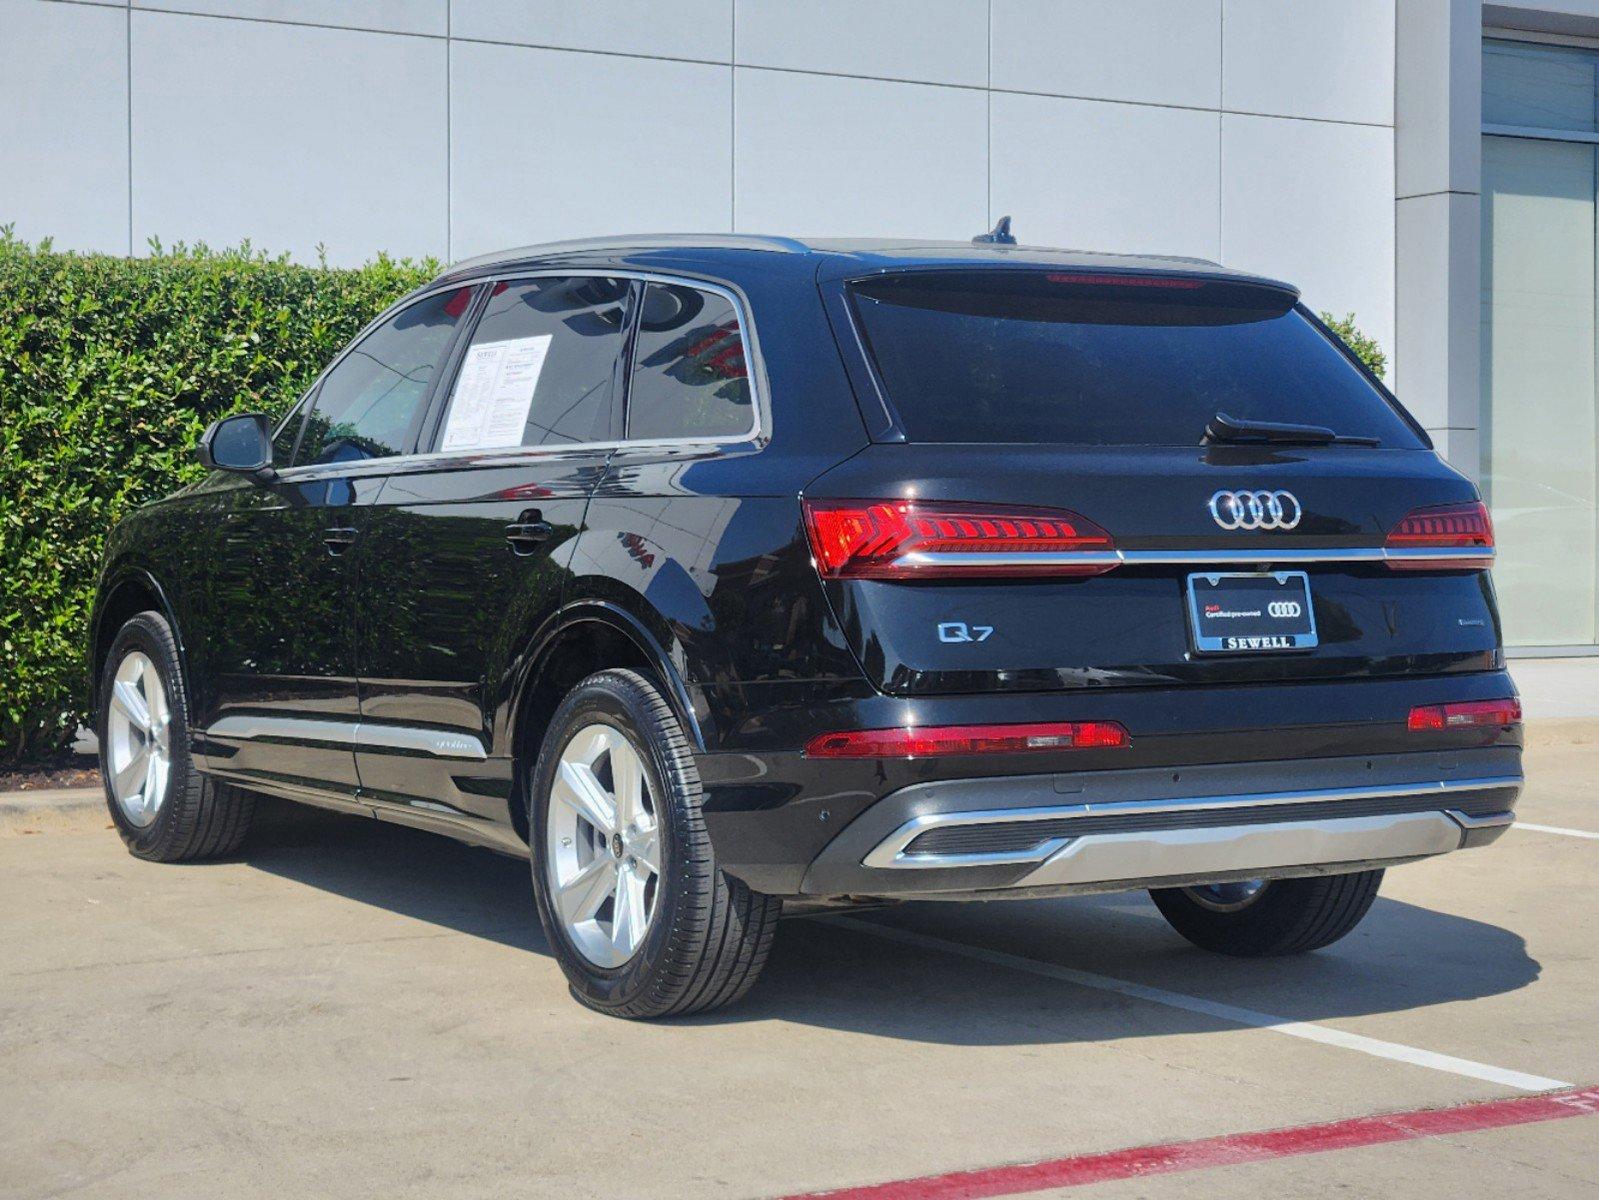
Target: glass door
x: 1540, y: 337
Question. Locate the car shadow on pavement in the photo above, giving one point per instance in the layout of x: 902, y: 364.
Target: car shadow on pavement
x: 420, y: 875
x: 842, y: 976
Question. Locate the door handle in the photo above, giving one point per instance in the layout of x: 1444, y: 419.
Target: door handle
x: 338, y: 540
x: 526, y: 537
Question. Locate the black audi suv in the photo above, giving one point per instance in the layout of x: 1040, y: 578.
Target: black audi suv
x: 718, y: 574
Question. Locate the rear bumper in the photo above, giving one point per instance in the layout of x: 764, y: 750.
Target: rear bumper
x: 1117, y: 830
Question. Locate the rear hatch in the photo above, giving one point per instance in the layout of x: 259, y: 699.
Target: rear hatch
x: 1123, y: 478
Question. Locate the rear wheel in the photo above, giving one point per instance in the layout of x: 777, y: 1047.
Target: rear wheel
x: 1268, y: 918
x: 636, y: 911
x: 165, y: 810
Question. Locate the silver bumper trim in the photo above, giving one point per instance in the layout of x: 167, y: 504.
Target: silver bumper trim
x: 1488, y: 821
x: 890, y: 852
x: 1227, y: 849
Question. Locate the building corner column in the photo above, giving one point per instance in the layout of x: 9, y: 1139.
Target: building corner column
x: 1437, y: 221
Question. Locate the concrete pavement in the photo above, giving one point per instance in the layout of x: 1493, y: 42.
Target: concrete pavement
x: 352, y: 1009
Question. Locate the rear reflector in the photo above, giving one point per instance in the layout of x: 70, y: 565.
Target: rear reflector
x: 913, y: 539
x: 941, y: 740
x: 1466, y: 715
x: 1449, y: 537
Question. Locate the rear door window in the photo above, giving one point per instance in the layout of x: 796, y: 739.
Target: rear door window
x: 690, y: 375
x: 1038, y: 356
x: 371, y: 404
x: 541, y: 366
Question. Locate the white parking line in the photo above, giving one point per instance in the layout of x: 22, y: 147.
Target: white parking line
x: 1576, y: 833
x: 1210, y: 1008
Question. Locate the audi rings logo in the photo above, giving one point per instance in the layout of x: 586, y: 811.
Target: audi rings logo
x: 1284, y: 608
x: 1256, y: 510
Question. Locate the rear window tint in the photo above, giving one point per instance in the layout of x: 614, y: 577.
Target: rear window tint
x: 1055, y: 357
x: 689, y: 374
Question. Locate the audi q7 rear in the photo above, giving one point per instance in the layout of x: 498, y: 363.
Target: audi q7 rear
x: 933, y: 572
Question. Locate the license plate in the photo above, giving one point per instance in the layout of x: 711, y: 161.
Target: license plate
x: 1235, y: 613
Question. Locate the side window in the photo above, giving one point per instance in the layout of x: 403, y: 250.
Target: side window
x: 289, y: 432
x: 540, y: 366
x: 689, y: 374
x: 369, y: 405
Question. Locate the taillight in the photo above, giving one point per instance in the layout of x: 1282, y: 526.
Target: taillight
x: 942, y: 740
x: 1448, y: 537
x: 914, y: 539
x: 1468, y: 714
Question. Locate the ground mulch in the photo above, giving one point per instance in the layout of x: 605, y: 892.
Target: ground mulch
x: 62, y: 771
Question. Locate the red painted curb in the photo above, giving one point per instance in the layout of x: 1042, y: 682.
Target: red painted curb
x: 1229, y: 1150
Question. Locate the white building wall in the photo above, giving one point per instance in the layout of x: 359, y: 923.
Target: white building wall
x: 1257, y: 132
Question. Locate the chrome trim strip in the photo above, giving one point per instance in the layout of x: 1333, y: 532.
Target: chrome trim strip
x: 435, y: 742
x: 1417, y: 554
x: 357, y: 735
x: 300, y: 729
x: 1200, y: 557
x: 890, y: 852
x: 1333, y: 554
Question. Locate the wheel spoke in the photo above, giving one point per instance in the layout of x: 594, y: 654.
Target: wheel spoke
x: 627, y: 782
x: 627, y: 923
x: 152, y: 770
x: 576, y: 787
x: 646, y: 845
x: 154, y: 780
x: 130, y: 701
x: 132, y: 773
x: 580, y: 897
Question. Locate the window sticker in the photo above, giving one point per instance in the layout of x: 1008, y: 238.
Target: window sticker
x: 494, y: 394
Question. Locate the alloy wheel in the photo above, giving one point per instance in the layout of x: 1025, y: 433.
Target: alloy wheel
x: 602, y: 846
x: 1227, y: 897
x: 138, y: 753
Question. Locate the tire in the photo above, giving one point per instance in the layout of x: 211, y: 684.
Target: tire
x: 191, y: 816
x: 1286, y: 916
x: 706, y: 936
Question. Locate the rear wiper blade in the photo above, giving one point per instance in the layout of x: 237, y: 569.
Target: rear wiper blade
x: 1233, y: 431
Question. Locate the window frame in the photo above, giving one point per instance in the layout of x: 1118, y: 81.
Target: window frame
x: 296, y: 415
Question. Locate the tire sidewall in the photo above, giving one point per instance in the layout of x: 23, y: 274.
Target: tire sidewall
x: 615, y: 700
x: 149, y: 633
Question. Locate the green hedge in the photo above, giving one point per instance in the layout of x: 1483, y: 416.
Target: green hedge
x: 1365, y: 348
x: 109, y: 370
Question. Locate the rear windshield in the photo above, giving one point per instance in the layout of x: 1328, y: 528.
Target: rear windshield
x: 988, y: 356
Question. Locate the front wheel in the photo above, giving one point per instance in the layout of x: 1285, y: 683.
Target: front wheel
x: 1269, y: 918
x: 165, y: 810
x: 640, y: 918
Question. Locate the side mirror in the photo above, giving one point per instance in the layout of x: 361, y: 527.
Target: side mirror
x: 240, y: 443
